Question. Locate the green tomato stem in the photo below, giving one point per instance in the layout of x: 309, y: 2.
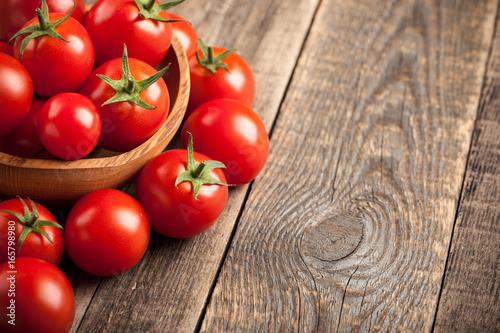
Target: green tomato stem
x: 127, y: 88
x: 210, y: 55
x: 42, y: 19
x: 30, y: 222
x: 209, y: 61
x: 198, y: 174
x: 32, y: 219
x: 150, y: 4
x: 45, y: 27
x: 130, y: 86
x: 199, y: 169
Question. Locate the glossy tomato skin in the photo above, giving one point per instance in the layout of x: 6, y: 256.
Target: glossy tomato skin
x: 112, y: 23
x: 107, y: 232
x: 238, y: 84
x: 43, y: 299
x: 16, y: 93
x: 35, y: 245
x: 23, y: 141
x: 230, y: 132
x: 54, y: 65
x: 125, y: 124
x: 15, y: 13
x: 174, y: 212
x: 69, y: 126
x: 186, y: 34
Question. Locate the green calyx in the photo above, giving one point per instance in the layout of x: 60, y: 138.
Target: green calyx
x: 31, y: 222
x: 44, y: 27
x: 149, y: 9
x: 127, y: 88
x: 198, y: 173
x: 209, y: 61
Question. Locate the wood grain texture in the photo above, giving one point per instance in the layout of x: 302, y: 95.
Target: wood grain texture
x: 471, y: 291
x: 168, y: 290
x: 349, y: 227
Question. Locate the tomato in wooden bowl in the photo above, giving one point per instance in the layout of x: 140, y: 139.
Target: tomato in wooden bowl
x: 58, y: 182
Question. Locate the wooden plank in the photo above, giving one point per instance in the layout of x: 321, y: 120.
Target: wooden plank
x: 470, y: 298
x: 349, y: 227
x: 169, y: 288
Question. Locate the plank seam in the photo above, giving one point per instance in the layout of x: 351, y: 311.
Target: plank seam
x: 222, y: 261
x: 88, y: 304
x: 249, y: 189
x: 464, y: 179
x: 290, y: 80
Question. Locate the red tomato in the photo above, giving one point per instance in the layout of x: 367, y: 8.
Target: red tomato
x: 15, y: 13
x: 126, y: 124
x: 69, y: 126
x: 56, y: 65
x: 230, y: 132
x: 4, y: 48
x: 35, y: 244
x: 235, y: 83
x: 16, y: 93
x: 186, y: 34
x: 112, y: 23
x: 35, y: 296
x: 175, y: 207
x: 107, y: 232
x: 24, y: 140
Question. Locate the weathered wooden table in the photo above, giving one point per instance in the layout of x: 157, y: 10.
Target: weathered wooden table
x: 378, y: 209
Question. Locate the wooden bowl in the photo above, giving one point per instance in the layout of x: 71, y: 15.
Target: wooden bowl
x: 59, y: 183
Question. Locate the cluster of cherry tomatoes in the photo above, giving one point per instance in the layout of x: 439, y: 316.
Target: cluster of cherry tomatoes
x: 72, y: 80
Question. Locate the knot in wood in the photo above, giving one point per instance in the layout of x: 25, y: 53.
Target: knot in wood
x: 332, y: 238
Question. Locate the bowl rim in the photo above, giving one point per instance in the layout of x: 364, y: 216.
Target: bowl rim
x: 177, y: 110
